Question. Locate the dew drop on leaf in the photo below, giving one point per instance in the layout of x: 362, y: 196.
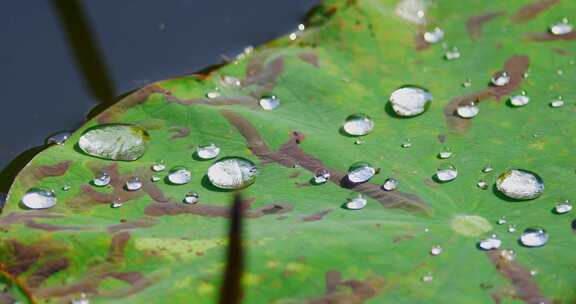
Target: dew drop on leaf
x: 358, y: 124
x: 410, y: 101
x: 230, y: 81
x: 557, y: 103
x: 501, y: 79
x: 133, y: 184
x: 534, y: 237
x: 511, y: 228
x: 58, y: 138
x: 520, y: 100
x: 436, y: 250
x: 213, y: 94
x: 155, y: 178
x: 445, y: 154
x: 468, y: 110
x: 39, y: 198
x: 117, y: 203
x: 179, y: 175
x: 563, y: 207
x: 159, y: 166
x: 66, y: 187
x: 269, y: 102
x: 520, y: 184
x: 446, y: 173
x: 452, y: 54
x: 191, y: 198
x: 487, y: 169
x: 561, y: 28
x: 390, y: 184
x: 360, y: 172
x: 208, y: 151
x: 321, y: 176
x: 232, y: 173
x: 493, y: 242
x: 482, y: 184
x: 102, y: 180
x: 356, y: 203
x: 508, y: 254
x: 434, y: 36
x: 114, y: 142
x: 427, y: 278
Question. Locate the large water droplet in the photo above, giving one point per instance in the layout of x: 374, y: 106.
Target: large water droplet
x: 501, y: 79
x: 561, y: 28
x: 133, y: 184
x: 534, y: 237
x: 321, y: 176
x: 356, y: 203
x: 493, y: 242
x: 434, y: 36
x: 446, y: 173
x: 520, y: 184
x: 520, y: 100
x: 563, y: 207
x: 179, y: 175
x: 232, y: 173
x: 38, y: 198
x: 468, y: 110
x: 358, y: 124
x: 191, y: 198
x: 58, y: 138
x: 208, y: 151
x: 390, y: 184
x: 114, y: 142
x: 410, y: 101
x: 360, y: 172
x: 269, y: 102
x: 102, y: 180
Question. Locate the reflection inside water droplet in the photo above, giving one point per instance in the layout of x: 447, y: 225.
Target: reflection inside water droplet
x: 269, y: 102
x: 520, y: 100
x: 191, y: 198
x: 356, y: 203
x: 208, y: 151
x: 520, y: 184
x: 557, y: 103
x: 321, y: 176
x: 534, y: 237
x: 563, y: 207
x: 358, y: 124
x: 493, y: 242
x: 468, y: 110
x: 561, y: 28
x: 39, y: 198
x: 179, y: 175
x: 446, y: 173
x: 102, y: 180
x: 501, y: 79
x: 410, y: 101
x: 361, y: 172
x: 133, y: 184
x: 159, y: 166
x: 232, y: 173
x: 436, y: 250
x: 390, y: 184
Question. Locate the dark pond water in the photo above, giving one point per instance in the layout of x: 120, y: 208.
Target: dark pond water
x: 141, y: 41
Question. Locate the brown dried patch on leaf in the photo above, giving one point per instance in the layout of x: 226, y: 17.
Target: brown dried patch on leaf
x: 45, y: 271
x: 316, y: 216
x: 294, y: 174
x: 51, y: 227
x: 23, y: 256
x: 247, y: 101
x: 117, y: 246
x: 263, y: 76
x: 23, y: 217
x: 515, y: 66
x: 547, y: 36
x: 136, y: 98
x: 6, y: 298
x: 32, y: 174
x: 179, y: 132
x: 156, y: 209
x: 474, y: 23
x: 525, y: 287
x: 310, y: 58
x: 532, y: 10
x: 563, y: 52
x: 349, y: 291
x: 144, y: 222
x: 290, y: 155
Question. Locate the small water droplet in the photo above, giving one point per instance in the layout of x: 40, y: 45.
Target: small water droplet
x: 407, y: 144
x: 452, y: 54
x: 563, y: 207
x: 356, y: 203
x: 269, y: 102
x: 321, y: 176
x: 232, y: 173
x: 360, y: 172
x: 561, y: 28
x: 213, y: 94
x: 434, y: 36
x: 493, y: 242
x: 445, y: 154
x: 436, y: 250
x: 508, y: 254
x: 159, y: 166
x: 446, y: 173
x: 427, y: 278
x: 230, y: 81
x: 66, y: 187
x: 558, y: 102
x: 39, y: 198
x: 359, y: 142
x: 208, y: 151
x: 114, y: 142
x: 501, y: 79
x: 410, y: 101
x: 482, y: 184
x: 102, y: 180
x: 559, y: 72
x: 534, y: 237
x: 293, y: 36
x: 82, y: 300
x: 133, y: 184
x: 117, y: 203
x: 469, y: 110
x: 520, y: 184
x: 191, y: 198
x: 520, y: 100
x: 501, y: 221
x: 390, y: 184
x: 155, y: 178
x: 467, y: 83
x: 511, y: 228
x: 301, y: 27
x: 58, y: 138
x: 358, y: 124
x: 533, y: 272
x: 487, y: 169
x: 179, y: 175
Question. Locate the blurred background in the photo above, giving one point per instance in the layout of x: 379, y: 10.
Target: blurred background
x: 139, y: 41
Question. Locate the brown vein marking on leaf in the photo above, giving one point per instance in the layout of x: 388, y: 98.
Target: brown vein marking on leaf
x: 247, y: 101
x: 20, y: 284
x: 316, y: 216
x: 349, y: 291
x: 475, y: 23
x: 515, y: 66
x: 310, y: 58
x: 117, y: 246
x: 6, y: 298
x: 32, y: 174
x: 52, y: 227
x: 526, y: 288
x: 143, y: 222
x: 23, y: 256
x: 46, y: 270
x: 547, y: 36
x: 563, y: 52
x: 179, y: 132
x: 290, y: 155
x: 23, y: 217
x: 532, y: 10
x: 135, y: 98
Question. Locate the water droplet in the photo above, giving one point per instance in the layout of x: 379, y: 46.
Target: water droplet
x: 561, y: 28
x: 445, y: 154
x: 467, y: 110
x: 520, y: 100
x: 155, y: 178
x: 508, y: 254
x: 133, y: 184
x: 230, y: 81
x: 179, y: 175
x: 390, y: 184
x: 356, y: 203
x: 114, y: 142
x: 301, y: 27
x: 321, y: 176
x: 82, y: 300
x: 159, y: 166
x: 293, y: 36
x: 452, y: 54
x: 213, y: 94
x: 66, y: 187
x: 511, y: 228
x: 102, y: 180
x: 558, y: 102
x: 467, y: 83
x: 358, y: 124
x: 520, y: 184
x: 232, y: 173
x: 410, y: 101
x: 487, y: 169
x: 501, y: 79
x: 559, y: 72
x: 534, y: 237
x: 360, y: 172
x: 446, y: 173
x: 191, y: 198
x: 434, y: 36
x: 563, y: 207
x: 412, y: 10
x: 436, y: 250
x: 501, y: 221
x: 482, y: 184
x: 208, y: 151
x: 359, y: 142
x: 533, y: 272
x: 39, y: 198
x: 269, y: 102
x: 116, y: 204
x: 427, y: 278
x: 407, y: 144
x: 58, y: 138
x: 493, y: 242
